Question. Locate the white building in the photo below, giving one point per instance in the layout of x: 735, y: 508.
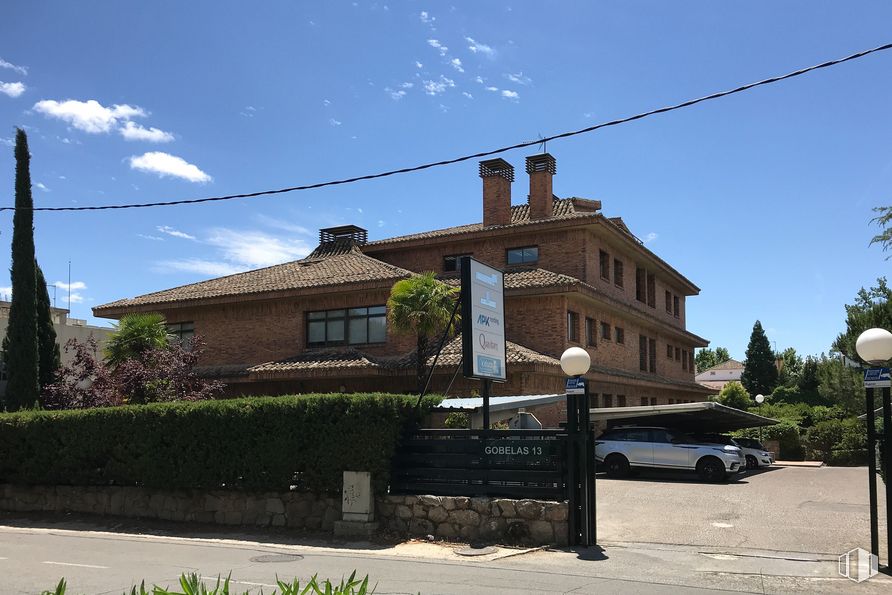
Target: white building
x: 718, y: 376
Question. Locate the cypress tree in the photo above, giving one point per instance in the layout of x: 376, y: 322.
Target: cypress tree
x: 49, y: 357
x: 759, y: 372
x: 22, y: 356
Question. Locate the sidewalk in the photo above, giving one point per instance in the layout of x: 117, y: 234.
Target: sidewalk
x: 799, y: 463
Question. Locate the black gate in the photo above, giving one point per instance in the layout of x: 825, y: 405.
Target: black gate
x: 507, y: 463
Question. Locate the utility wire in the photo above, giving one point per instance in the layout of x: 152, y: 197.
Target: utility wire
x: 521, y: 145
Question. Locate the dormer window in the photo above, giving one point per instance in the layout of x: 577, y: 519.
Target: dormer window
x: 524, y: 255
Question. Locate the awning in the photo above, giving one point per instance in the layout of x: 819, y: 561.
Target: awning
x: 691, y: 417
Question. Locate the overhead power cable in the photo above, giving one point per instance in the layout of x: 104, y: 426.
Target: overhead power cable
x: 489, y: 153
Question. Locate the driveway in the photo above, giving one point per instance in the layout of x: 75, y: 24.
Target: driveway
x: 816, y: 510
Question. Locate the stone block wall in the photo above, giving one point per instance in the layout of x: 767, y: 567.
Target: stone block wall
x: 484, y: 519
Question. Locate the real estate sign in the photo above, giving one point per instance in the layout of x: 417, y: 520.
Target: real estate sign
x: 483, y: 320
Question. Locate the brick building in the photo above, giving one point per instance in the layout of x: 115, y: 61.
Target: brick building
x: 572, y: 277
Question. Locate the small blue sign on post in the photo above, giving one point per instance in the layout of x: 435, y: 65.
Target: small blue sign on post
x: 575, y: 386
x: 877, y: 378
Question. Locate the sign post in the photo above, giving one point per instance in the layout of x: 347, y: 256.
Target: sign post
x: 483, y: 326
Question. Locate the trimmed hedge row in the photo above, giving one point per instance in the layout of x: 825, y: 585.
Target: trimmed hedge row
x: 258, y: 443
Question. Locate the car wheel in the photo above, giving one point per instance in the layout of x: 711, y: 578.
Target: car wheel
x: 617, y: 466
x: 751, y: 462
x: 711, y: 469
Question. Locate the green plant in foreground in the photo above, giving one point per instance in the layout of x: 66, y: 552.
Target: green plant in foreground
x: 193, y: 584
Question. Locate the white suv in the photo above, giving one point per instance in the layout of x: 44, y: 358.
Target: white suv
x: 624, y: 448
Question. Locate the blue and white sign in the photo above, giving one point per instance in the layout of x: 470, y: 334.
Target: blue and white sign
x: 877, y: 378
x: 575, y: 386
x: 483, y: 321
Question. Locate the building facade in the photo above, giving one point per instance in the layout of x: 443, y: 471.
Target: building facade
x: 716, y: 377
x: 573, y: 277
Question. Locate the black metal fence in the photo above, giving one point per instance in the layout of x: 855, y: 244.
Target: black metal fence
x: 507, y: 463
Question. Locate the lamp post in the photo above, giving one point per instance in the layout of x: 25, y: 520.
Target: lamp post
x: 874, y: 346
x: 760, y: 399
x: 581, y: 522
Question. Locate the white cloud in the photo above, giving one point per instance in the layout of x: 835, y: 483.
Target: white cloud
x: 89, y: 116
x: 166, y: 229
x: 149, y: 237
x: 435, y: 43
x: 74, y: 289
x: 7, y: 141
x: 326, y: 102
x: 5, y: 293
x: 165, y: 164
x: 395, y: 95
x: 380, y: 223
x: 334, y: 122
x: 456, y: 64
x: 42, y: 186
x: 650, y: 238
x: 133, y: 131
x: 479, y: 79
x: 519, y: 78
x: 437, y: 87
x: 468, y: 95
x: 492, y: 89
x: 512, y: 95
x: 207, y: 268
x: 418, y: 64
x: 283, y: 225
x: 479, y: 48
x: 407, y: 85
x: 255, y: 249
x: 426, y: 18
x: 12, y: 89
x: 20, y: 69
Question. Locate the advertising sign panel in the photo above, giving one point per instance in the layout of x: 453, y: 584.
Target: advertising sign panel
x: 483, y: 321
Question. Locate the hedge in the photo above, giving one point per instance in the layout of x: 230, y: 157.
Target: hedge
x: 259, y: 443
x: 786, y: 432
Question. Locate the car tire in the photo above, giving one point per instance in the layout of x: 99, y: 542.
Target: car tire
x: 711, y: 469
x: 751, y: 462
x: 617, y: 465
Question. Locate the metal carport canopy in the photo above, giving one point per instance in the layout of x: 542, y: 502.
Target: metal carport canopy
x: 691, y: 417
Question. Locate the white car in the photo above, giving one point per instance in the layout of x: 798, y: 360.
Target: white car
x: 755, y: 453
x: 625, y: 448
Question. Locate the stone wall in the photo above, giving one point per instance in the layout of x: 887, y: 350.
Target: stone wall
x: 265, y: 509
x: 456, y: 518
x: 484, y: 519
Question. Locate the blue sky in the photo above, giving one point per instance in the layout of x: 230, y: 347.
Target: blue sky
x: 762, y: 199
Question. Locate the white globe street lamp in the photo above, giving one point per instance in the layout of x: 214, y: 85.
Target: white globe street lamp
x: 575, y: 361
x: 874, y: 346
x: 760, y: 399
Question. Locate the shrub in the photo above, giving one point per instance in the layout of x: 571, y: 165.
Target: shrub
x: 839, y: 441
x: 266, y: 443
x: 734, y: 395
x: 786, y: 432
x: 458, y: 420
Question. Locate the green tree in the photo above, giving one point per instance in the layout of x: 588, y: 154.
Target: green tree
x: 734, y: 395
x: 809, y: 383
x: 134, y: 335
x: 840, y: 385
x: 48, y: 350
x: 421, y: 306
x: 22, y: 356
x: 884, y: 220
x: 707, y: 358
x: 759, y: 372
x: 791, y: 368
x: 721, y: 355
x: 872, y: 308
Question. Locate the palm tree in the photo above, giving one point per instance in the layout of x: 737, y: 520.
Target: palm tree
x: 421, y: 306
x: 136, y: 334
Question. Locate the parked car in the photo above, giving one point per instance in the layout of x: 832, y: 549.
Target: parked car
x: 623, y: 449
x: 756, y: 454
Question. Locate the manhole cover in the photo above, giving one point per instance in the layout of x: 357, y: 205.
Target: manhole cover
x: 277, y: 558
x: 476, y: 551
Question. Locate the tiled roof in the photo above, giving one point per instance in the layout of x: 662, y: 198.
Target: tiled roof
x: 686, y: 384
x: 731, y: 364
x: 564, y: 208
x: 517, y: 354
x: 531, y: 278
x: 331, y: 265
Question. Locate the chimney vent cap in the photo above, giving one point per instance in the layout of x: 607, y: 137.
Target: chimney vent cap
x: 497, y: 167
x: 541, y: 162
x: 352, y: 233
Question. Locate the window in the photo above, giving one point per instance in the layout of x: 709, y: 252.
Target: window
x: 651, y: 290
x: 525, y: 255
x: 691, y: 360
x: 684, y: 359
x: 608, y: 400
x: 590, y: 337
x: 620, y: 400
x: 617, y: 272
x: 643, y: 401
x: 677, y: 354
x: 605, y: 331
x: 183, y: 331
x: 605, y: 264
x: 669, y: 351
x: 640, y: 291
x: 653, y: 400
x: 353, y: 326
x: 453, y: 263
x: 642, y: 353
x: 653, y: 356
x: 620, y: 335
x: 668, y: 302
x: 676, y: 305
x: 573, y: 326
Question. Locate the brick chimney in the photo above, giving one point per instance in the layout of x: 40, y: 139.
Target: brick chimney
x: 541, y: 169
x: 497, y: 176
